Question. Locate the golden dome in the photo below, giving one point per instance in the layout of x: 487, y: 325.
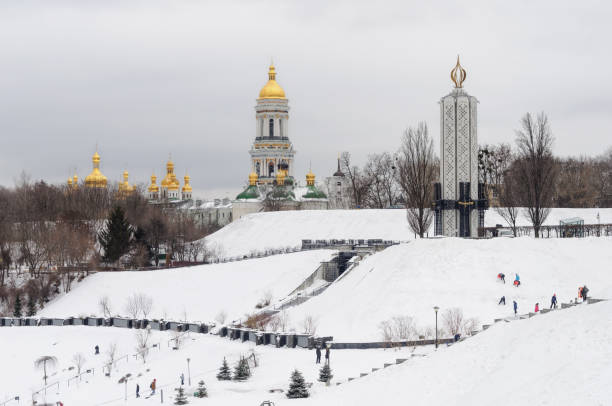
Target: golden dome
x: 125, y: 185
x: 187, y: 187
x: 96, y: 178
x: 252, y: 179
x: 310, y: 178
x: 69, y: 182
x: 170, y: 181
x: 153, y: 187
x: 272, y: 89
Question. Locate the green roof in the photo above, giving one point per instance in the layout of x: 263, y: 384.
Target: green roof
x: 314, y: 193
x: 250, y: 192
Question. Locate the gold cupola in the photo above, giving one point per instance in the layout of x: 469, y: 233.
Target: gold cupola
x: 124, y: 187
x: 153, y: 186
x: 252, y: 179
x: 96, y: 179
x: 272, y: 89
x: 458, y: 75
x: 170, y: 181
x: 310, y: 179
x: 69, y: 183
x: 187, y: 187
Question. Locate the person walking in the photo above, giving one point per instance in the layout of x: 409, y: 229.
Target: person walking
x: 502, y: 277
x: 153, y: 385
x: 97, y: 350
x: 318, y: 355
x: 137, y: 390
x: 502, y: 300
x: 515, y: 305
x: 585, y: 292
x: 537, y: 307
x: 327, y: 355
x: 553, y: 301
x: 182, y: 379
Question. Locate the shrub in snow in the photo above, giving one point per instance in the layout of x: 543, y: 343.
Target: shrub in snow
x: 325, y: 373
x: 17, y: 306
x: 180, y: 398
x: 201, y: 392
x: 224, y: 372
x: 297, y: 386
x: 242, y: 371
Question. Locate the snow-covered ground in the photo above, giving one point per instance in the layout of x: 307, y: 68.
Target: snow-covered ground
x: 410, y: 279
x: 18, y: 377
x: 196, y: 293
x: 260, y: 231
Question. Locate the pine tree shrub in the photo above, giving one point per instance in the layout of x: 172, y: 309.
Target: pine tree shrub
x: 180, y: 398
x: 115, y: 237
x: 224, y: 372
x: 201, y: 392
x: 242, y: 371
x: 325, y: 373
x: 17, y: 311
x: 297, y: 386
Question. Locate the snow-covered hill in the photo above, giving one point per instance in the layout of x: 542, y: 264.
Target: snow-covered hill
x: 560, y: 358
x: 194, y: 293
x: 410, y: 279
x: 260, y: 231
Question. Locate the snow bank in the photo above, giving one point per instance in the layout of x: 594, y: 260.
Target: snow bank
x: 288, y: 228
x: 194, y: 293
x: 410, y: 279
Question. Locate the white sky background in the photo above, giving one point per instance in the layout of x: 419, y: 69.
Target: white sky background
x: 144, y: 79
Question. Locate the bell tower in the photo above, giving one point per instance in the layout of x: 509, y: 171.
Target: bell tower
x: 272, y: 151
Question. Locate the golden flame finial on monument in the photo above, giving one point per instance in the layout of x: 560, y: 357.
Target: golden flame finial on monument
x: 458, y: 75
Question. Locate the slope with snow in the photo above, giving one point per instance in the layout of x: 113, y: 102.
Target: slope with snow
x: 410, y: 279
x: 194, y: 293
x: 260, y: 231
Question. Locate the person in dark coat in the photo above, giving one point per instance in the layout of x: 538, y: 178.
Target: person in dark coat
x: 327, y: 355
x: 585, y: 291
x: 515, y: 305
x: 182, y: 378
x: 502, y: 300
x: 137, y: 390
x: 318, y: 355
x: 553, y: 301
x: 502, y: 277
x: 97, y: 350
x: 153, y: 386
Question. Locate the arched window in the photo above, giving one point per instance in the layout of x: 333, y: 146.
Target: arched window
x: 271, y: 125
x: 280, y: 127
x: 271, y: 169
x: 258, y: 168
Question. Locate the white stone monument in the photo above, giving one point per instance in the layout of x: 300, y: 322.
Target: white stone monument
x: 459, y: 199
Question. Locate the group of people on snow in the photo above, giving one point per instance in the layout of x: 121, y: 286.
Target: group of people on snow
x: 318, y: 353
x: 582, y: 294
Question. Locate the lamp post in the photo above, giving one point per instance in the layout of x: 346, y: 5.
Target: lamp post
x: 188, y: 371
x: 436, y: 308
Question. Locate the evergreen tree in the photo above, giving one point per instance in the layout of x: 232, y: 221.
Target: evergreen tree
x: 242, y: 371
x: 115, y: 237
x: 201, y: 392
x: 17, y: 308
x: 297, y: 386
x: 181, y: 398
x: 31, y: 306
x: 325, y: 373
x: 224, y: 372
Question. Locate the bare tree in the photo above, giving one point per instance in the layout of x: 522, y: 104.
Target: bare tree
x: 145, y: 303
x: 417, y: 166
x: 380, y: 173
x: 309, y: 325
x: 111, y: 354
x: 142, y: 343
x: 453, y: 321
x: 221, y: 317
x: 283, y: 320
x: 105, y: 307
x: 78, y: 360
x: 509, y: 204
x: 132, y: 306
x: 536, y: 168
x: 358, y: 183
x: 42, y: 362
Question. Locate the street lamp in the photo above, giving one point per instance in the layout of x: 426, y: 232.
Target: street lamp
x: 188, y: 371
x: 436, y: 308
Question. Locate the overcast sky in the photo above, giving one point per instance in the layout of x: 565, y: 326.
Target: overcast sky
x: 145, y: 79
